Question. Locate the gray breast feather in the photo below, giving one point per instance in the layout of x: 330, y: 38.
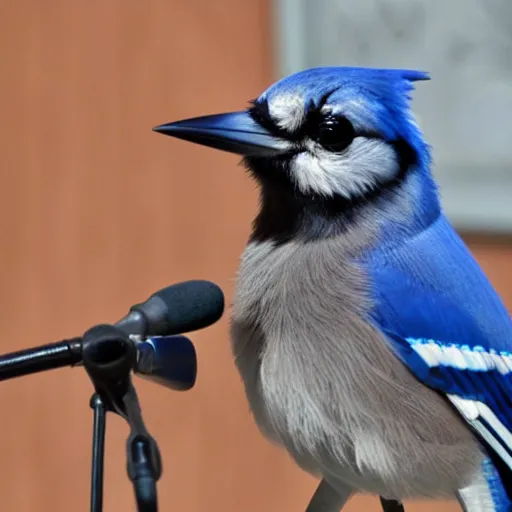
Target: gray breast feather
x: 322, y: 381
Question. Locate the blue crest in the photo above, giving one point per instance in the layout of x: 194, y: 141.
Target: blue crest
x: 385, y: 92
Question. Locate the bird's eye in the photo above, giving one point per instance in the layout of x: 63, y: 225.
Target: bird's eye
x: 333, y: 133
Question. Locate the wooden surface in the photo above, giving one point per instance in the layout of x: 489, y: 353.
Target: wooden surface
x: 98, y: 211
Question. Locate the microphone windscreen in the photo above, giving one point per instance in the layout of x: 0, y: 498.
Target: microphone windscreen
x: 191, y: 305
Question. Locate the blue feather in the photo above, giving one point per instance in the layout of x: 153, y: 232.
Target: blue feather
x: 446, y: 323
x: 387, y: 94
x: 430, y: 286
x: 498, y: 493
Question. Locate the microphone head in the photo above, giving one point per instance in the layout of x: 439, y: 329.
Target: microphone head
x: 179, y: 308
x: 192, y: 305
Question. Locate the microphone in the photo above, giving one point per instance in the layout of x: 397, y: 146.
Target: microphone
x: 144, y: 341
x: 163, y: 358
x: 182, y: 307
x: 167, y: 359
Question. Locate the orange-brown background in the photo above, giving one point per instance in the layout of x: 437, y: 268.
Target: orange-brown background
x: 98, y: 211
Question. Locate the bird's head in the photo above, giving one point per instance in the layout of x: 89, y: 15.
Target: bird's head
x: 324, y: 139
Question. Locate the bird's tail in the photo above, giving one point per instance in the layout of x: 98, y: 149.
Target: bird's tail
x: 504, y: 474
x: 490, y: 490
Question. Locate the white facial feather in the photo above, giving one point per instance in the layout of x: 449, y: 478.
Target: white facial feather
x: 287, y: 111
x: 350, y: 173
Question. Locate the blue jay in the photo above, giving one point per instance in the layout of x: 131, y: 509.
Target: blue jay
x: 371, y: 345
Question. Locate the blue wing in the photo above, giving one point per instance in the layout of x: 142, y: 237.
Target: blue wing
x: 448, y: 325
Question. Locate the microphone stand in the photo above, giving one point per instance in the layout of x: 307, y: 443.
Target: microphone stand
x: 45, y: 357
x: 98, y: 452
x: 108, y: 357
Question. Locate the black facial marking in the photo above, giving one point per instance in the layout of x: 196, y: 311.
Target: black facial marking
x: 260, y: 112
x: 286, y: 213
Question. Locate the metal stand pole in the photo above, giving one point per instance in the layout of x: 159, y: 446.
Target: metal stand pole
x: 98, y: 452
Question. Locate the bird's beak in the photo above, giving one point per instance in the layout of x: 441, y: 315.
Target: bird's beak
x: 236, y: 132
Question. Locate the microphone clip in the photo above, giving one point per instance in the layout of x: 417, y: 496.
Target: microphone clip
x: 109, y: 356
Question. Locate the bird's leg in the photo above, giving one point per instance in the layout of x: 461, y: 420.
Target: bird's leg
x: 328, y: 499
x: 391, y: 505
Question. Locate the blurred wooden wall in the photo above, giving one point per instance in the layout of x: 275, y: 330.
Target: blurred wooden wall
x: 98, y: 211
